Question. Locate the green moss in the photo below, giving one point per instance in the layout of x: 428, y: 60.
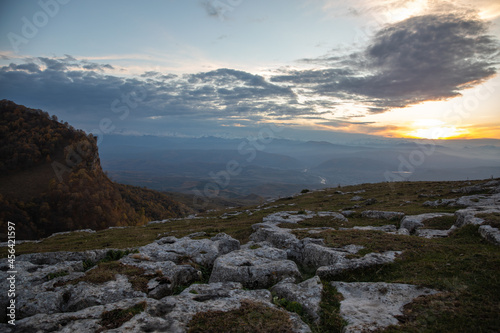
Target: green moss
x: 288, y: 305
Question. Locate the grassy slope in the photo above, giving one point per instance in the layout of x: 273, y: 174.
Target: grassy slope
x: 463, y: 266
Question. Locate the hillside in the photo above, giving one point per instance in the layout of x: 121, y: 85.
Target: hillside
x: 386, y: 257
x: 51, y: 180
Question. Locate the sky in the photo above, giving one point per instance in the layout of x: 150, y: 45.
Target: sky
x: 391, y: 68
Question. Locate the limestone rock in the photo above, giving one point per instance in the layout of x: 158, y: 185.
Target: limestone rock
x: 491, y: 234
x: 307, y: 293
x: 440, y: 203
x: 287, y: 217
x: 170, y: 314
x: 172, y: 275
x: 258, y: 268
x: 376, y: 214
x: 371, y: 259
x: 369, y: 306
x: 433, y: 233
x: 468, y: 215
x: 183, y: 250
x: 384, y: 228
x: 279, y: 238
x: 413, y: 222
x: 316, y: 255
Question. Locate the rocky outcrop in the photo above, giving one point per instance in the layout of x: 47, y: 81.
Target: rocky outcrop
x: 200, y: 251
x: 369, y: 306
x: 259, y: 268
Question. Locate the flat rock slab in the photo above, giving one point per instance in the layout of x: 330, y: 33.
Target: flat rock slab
x: 257, y: 268
x: 369, y: 306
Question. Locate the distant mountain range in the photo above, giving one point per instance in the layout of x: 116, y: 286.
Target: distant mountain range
x: 281, y: 167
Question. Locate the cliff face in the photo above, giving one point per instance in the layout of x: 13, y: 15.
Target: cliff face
x: 52, y: 180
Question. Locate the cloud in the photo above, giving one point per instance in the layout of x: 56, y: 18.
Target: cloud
x: 79, y: 89
x: 216, y: 8
x: 424, y: 58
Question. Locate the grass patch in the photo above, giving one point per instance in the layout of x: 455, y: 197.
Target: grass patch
x: 330, y: 319
x: 251, y: 317
x: 116, y: 318
x: 288, y: 305
x: 372, y: 240
x: 440, y: 223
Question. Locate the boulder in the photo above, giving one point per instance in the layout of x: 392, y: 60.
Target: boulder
x: 257, y: 268
x: 278, y: 237
x: 371, y: 306
x: 316, y: 255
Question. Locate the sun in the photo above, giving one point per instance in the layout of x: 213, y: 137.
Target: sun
x: 434, y: 129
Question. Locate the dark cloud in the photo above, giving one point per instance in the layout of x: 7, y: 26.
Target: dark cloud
x: 95, y: 67
x: 429, y: 57
x: 216, y: 8
x: 81, y: 90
